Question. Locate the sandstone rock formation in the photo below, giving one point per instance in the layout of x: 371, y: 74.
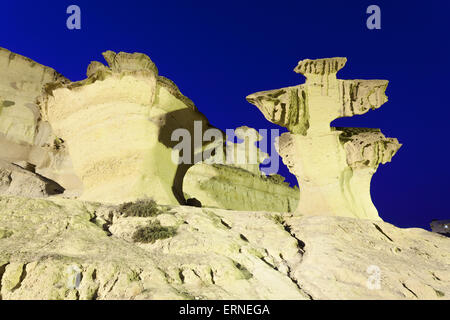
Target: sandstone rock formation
x: 28, y: 140
x: 118, y: 124
x: 334, y: 166
x: 19, y: 182
x: 215, y: 254
x: 109, y: 138
x: 246, y: 155
x: 228, y: 187
x: 239, y: 183
x: 25, y: 138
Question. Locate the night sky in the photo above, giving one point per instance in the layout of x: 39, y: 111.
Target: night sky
x: 218, y: 52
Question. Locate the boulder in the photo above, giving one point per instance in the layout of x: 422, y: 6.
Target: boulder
x: 25, y: 138
x: 236, y: 182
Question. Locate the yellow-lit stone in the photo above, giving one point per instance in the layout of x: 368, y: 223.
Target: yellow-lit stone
x: 117, y: 124
x: 333, y: 166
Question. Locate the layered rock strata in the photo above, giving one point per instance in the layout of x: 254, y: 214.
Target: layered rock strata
x: 25, y: 138
x: 333, y: 166
x: 68, y: 249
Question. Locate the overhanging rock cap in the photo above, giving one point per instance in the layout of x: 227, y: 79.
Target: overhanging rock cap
x: 320, y: 66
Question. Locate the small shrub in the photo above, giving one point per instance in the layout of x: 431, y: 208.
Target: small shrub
x: 140, y: 208
x: 152, y: 232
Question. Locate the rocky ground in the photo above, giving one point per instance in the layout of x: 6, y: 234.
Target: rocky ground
x: 215, y: 254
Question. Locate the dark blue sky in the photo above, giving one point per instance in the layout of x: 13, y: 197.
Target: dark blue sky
x: 218, y: 52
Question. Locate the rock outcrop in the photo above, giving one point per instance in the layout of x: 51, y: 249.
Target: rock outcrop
x: 229, y: 187
x: 109, y: 138
x: 25, y: 138
x: 118, y: 124
x: 69, y: 249
x: 334, y: 166
x: 21, y: 83
x: 441, y: 227
x: 246, y: 155
x: 237, y: 183
x: 119, y: 130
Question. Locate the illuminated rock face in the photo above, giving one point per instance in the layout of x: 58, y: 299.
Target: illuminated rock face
x: 17, y: 181
x: 25, y: 138
x: 334, y: 166
x: 240, y: 184
x: 118, y: 124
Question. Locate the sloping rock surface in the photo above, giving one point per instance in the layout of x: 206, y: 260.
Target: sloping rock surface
x: 17, y: 181
x: 215, y: 254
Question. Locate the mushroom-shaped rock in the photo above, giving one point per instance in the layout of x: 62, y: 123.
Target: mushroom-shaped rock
x: 240, y: 184
x: 118, y: 126
x: 333, y: 166
x: 309, y: 108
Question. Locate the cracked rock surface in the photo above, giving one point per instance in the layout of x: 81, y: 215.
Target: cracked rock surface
x: 333, y: 166
x: 215, y: 254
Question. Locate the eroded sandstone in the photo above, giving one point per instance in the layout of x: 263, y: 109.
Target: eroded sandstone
x: 333, y: 166
x: 215, y: 254
x: 118, y: 125
x: 229, y: 187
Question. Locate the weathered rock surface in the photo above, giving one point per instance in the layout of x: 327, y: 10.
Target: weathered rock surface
x: 118, y: 125
x: 441, y: 227
x: 24, y: 136
x: 333, y: 166
x: 16, y: 181
x: 122, y: 129
x: 230, y: 187
x: 215, y: 254
x: 21, y: 83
